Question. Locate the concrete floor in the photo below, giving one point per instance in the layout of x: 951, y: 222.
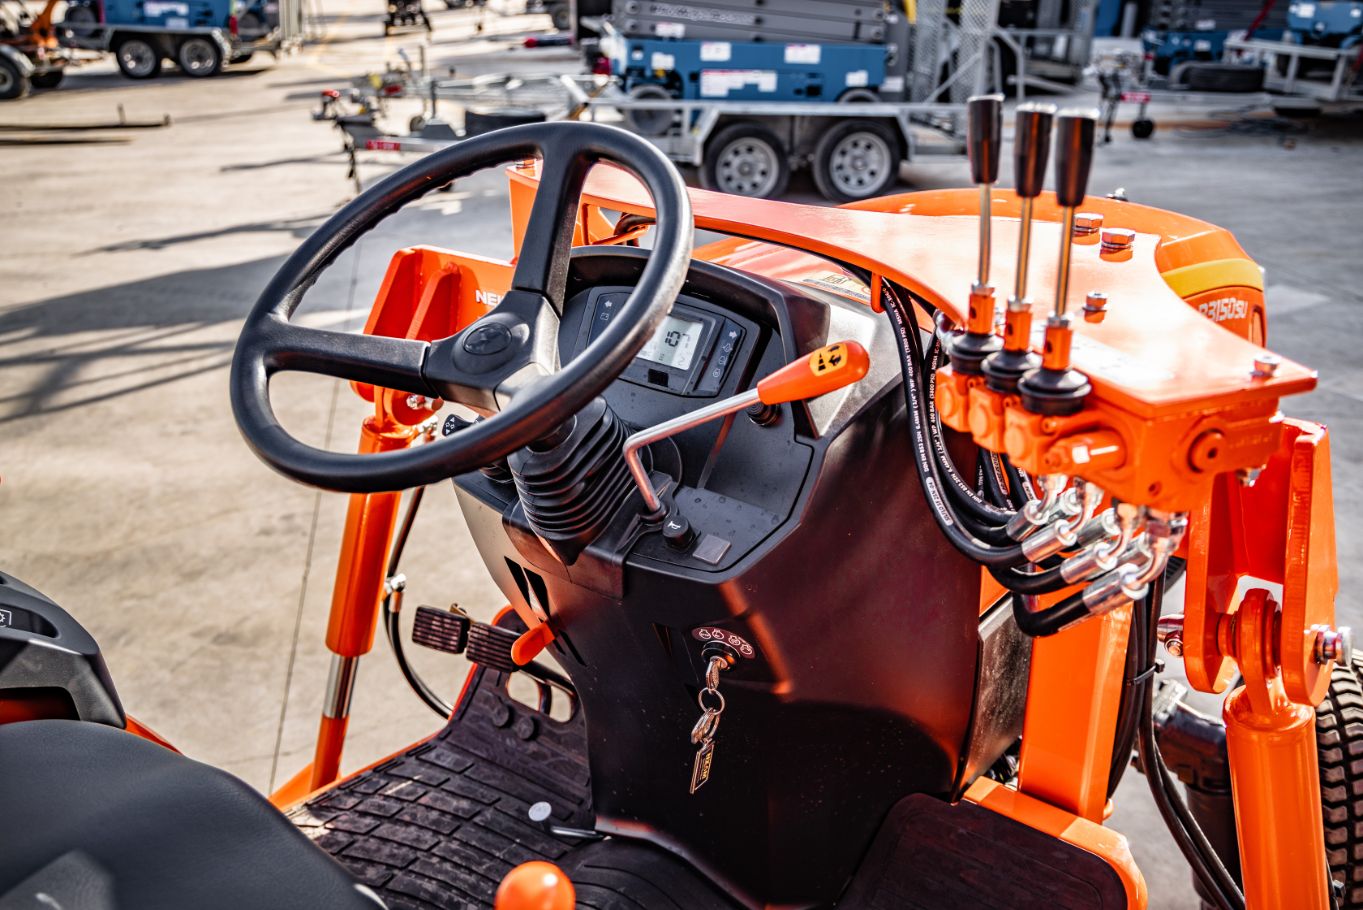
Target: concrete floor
x: 127, y: 263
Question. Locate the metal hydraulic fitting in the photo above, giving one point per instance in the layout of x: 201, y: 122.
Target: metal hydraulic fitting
x: 1169, y: 631
x: 1128, y: 582
x: 1106, y: 542
x: 1037, y: 513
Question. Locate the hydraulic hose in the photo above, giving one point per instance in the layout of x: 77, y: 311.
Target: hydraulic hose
x: 963, y: 494
x: 1053, y: 619
x: 910, y: 357
x: 1198, y: 851
x: 391, y: 618
x: 1047, y: 581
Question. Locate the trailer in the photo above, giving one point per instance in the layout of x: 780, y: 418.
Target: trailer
x: 200, y: 36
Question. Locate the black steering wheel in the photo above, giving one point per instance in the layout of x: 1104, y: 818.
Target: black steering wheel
x: 506, y: 364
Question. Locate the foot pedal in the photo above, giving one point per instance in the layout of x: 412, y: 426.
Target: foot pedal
x: 452, y: 632
x: 491, y: 647
x: 441, y: 630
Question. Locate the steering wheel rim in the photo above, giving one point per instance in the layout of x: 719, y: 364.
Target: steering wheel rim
x: 506, y: 362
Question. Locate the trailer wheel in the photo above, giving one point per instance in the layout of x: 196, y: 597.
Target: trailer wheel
x: 199, y: 57
x: 81, y: 20
x: 1142, y: 129
x: 48, y: 79
x: 649, y: 123
x: 856, y: 159
x: 137, y: 57
x: 745, y: 159
x: 1339, y: 745
x: 13, y: 83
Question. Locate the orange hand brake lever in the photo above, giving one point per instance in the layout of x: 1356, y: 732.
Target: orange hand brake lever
x: 826, y: 370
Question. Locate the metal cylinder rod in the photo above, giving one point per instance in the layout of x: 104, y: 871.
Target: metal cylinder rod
x: 676, y: 425
x: 986, y: 200
x: 1062, y: 278
x: 340, y: 686
x: 1024, y: 250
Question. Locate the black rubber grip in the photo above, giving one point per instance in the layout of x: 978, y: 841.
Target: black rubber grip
x: 984, y: 136
x: 1074, y: 131
x: 1031, y: 145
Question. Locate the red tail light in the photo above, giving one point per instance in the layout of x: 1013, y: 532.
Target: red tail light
x: 232, y: 25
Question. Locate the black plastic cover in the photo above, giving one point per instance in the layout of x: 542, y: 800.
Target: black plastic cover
x: 43, y: 647
x: 984, y: 136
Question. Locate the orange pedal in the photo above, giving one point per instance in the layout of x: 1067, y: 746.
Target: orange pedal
x: 531, y: 643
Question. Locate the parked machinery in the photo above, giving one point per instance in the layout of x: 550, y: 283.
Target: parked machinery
x: 30, y: 55
x: 201, y: 36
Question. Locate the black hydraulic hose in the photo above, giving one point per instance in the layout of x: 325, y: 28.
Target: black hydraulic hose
x: 1053, y: 619
x: 910, y: 359
x: 961, y: 492
x: 1019, y: 489
x: 1196, y: 849
x: 1047, y: 581
x: 994, y: 484
x: 391, y: 619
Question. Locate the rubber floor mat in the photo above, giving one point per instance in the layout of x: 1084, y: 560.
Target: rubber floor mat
x: 440, y: 825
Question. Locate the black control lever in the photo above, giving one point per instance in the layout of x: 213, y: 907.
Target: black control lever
x: 1055, y: 388
x: 1031, y: 148
x: 984, y: 140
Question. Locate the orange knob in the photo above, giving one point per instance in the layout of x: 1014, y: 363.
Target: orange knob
x: 535, y: 885
x: 829, y: 368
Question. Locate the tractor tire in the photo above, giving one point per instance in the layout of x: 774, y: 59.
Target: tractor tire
x: 477, y: 122
x: 199, y: 57
x: 13, y: 83
x: 1339, y: 745
x: 746, y: 159
x: 49, y: 79
x: 137, y: 57
x: 561, y: 14
x: 1223, y: 77
x: 856, y: 159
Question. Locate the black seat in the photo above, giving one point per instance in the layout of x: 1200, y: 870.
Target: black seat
x: 96, y: 819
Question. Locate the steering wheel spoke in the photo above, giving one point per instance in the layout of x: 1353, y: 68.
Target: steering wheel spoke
x: 393, y: 363
x: 542, y: 267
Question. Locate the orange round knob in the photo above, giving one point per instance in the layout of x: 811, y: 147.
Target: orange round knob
x: 535, y: 885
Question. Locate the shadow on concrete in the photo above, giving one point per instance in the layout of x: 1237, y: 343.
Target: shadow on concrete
x: 300, y: 227
x: 136, y: 330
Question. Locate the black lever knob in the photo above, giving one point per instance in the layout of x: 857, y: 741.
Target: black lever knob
x: 1074, y: 130
x: 984, y: 136
x: 1031, y: 146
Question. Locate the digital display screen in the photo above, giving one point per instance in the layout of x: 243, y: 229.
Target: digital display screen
x: 674, y: 344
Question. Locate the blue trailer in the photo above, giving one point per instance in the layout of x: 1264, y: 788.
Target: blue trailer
x: 201, y: 36
x: 749, y: 71
x: 1328, y: 23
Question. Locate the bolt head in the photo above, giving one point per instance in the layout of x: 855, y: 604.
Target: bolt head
x: 1087, y: 223
x: 1333, y: 644
x: 1266, y: 364
x: 1095, y: 302
x: 1118, y: 238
